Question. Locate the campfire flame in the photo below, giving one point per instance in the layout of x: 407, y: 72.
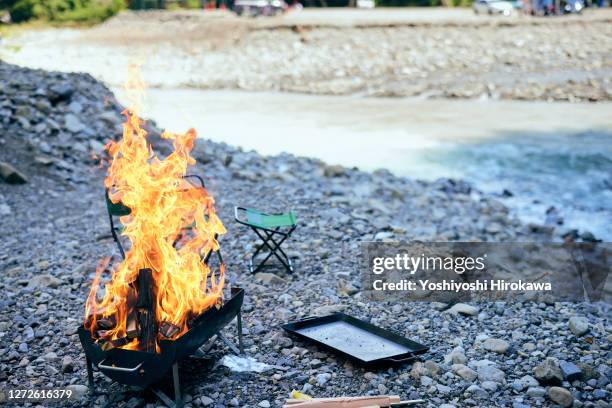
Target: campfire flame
x: 171, y: 228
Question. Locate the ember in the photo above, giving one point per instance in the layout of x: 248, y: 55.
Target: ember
x: 164, y: 281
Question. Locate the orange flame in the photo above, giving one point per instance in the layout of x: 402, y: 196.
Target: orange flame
x: 171, y: 229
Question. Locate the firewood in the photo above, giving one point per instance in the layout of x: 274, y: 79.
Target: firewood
x: 145, y: 307
x: 105, y: 323
x: 107, y: 345
x: 131, y: 326
x: 168, y: 330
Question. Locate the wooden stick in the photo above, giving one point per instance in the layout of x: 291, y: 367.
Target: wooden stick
x: 346, y: 402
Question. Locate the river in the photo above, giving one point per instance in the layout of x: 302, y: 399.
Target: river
x: 544, y: 154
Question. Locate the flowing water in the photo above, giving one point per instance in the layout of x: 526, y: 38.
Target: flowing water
x: 545, y: 154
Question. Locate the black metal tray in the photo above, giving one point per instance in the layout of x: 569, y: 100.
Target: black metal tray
x: 358, y: 340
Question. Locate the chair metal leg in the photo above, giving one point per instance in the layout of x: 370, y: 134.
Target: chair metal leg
x: 273, y: 250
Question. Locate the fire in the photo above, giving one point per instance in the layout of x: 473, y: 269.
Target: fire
x: 171, y: 228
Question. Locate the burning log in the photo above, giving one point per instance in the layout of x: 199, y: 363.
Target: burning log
x: 107, y: 345
x: 145, y: 310
x: 168, y: 330
x: 131, y: 326
x: 105, y: 323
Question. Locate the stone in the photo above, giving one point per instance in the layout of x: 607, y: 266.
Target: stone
x: 561, y: 396
x: 528, y: 381
x: 548, y: 372
x: 328, y: 309
x: 73, y: 124
x: 571, y: 372
x: 334, y: 170
x: 5, y: 209
x: 264, y: 404
x: 270, y: 278
x: 477, y: 392
x: 578, y: 325
x: 206, y: 401
x: 11, y: 175
x: 491, y: 373
x: 61, y: 92
x: 456, y: 356
x: 489, y: 386
x: 67, y: 364
x: 464, y: 309
x: 496, y: 345
x: 465, y: 372
x: 44, y: 281
x: 536, y: 392
x: 322, y: 379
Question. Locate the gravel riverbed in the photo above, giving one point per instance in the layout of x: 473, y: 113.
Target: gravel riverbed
x: 54, y: 229
x: 564, y: 58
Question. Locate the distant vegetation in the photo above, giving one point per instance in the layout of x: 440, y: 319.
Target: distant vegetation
x: 61, y: 11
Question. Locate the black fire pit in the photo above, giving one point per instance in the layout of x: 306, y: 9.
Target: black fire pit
x: 142, y: 369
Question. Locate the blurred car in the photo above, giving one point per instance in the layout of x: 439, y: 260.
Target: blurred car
x: 367, y: 4
x: 255, y: 8
x: 503, y: 7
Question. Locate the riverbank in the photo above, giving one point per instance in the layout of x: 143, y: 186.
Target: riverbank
x: 55, y: 230
x: 432, y: 54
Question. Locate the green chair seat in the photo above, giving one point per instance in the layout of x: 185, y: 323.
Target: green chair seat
x: 258, y: 219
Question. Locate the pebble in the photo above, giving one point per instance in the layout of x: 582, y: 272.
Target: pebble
x: 496, y: 345
x: 571, y: 372
x: 561, y: 396
x: 491, y: 373
x: 548, y: 372
x: 264, y: 404
x: 464, y: 309
x: 578, y: 325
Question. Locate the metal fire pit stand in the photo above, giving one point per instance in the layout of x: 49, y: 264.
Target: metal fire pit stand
x: 178, y: 401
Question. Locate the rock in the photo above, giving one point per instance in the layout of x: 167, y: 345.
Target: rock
x: 264, y: 404
x: 464, y: 309
x: 73, y: 123
x: 443, y: 389
x: 528, y: 381
x: 61, y: 92
x: 491, y: 373
x: 11, y: 175
x: 496, y: 345
x: 549, y: 372
x: 23, y: 348
x: 571, y: 372
x: 67, y: 364
x: 456, y: 356
x: 5, y: 209
x: 536, y: 392
x: 206, y: 401
x: 561, y: 396
x: 322, y: 379
x: 489, y: 386
x: 465, y: 372
x: 578, y: 325
x: 477, y: 392
x: 270, y: 278
x: 334, y: 170
x: 44, y: 281
x: 328, y: 309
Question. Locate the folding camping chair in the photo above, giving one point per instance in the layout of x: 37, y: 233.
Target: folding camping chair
x: 266, y: 226
x: 120, y: 210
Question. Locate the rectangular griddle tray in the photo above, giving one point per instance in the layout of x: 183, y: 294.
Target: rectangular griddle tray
x: 358, y: 340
